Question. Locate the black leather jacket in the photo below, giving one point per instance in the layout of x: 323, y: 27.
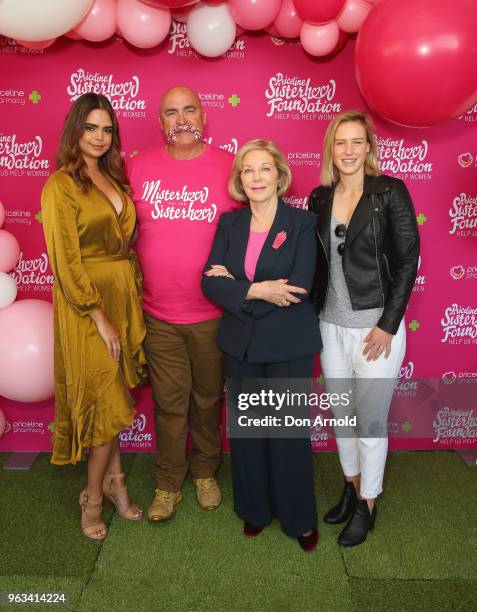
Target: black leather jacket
x: 381, y: 251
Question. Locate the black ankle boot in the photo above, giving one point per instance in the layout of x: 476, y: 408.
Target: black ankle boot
x: 344, y: 508
x: 361, y: 521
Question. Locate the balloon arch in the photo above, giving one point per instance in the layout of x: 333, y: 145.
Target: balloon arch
x: 415, y: 60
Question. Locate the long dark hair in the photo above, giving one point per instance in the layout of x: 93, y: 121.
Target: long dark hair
x: 69, y: 157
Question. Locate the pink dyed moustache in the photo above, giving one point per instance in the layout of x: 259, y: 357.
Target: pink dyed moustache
x: 183, y: 127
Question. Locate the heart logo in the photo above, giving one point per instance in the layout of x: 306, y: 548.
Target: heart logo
x: 457, y: 272
x: 449, y: 377
x: 465, y: 159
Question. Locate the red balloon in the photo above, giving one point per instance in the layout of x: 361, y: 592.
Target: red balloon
x: 415, y: 61
x: 254, y: 14
x: 287, y: 23
x: 320, y: 12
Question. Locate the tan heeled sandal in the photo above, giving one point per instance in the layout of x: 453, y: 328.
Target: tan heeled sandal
x: 133, y: 513
x: 92, y: 509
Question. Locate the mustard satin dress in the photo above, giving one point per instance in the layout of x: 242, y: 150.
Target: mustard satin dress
x: 87, y: 245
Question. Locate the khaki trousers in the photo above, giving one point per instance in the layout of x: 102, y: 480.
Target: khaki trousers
x: 185, y: 368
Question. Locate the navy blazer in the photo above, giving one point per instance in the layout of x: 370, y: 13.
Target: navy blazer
x: 256, y: 330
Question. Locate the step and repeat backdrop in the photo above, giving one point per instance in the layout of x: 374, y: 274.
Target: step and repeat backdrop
x: 262, y: 87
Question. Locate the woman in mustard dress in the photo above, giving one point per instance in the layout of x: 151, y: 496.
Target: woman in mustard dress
x: 88, y: 220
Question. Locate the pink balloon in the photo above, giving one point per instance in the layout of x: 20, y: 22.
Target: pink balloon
x: 99, y: 23
x: 319, y: 40
x: 2, y: 214
x: 170, y: 4
x: 37, y: 44
x: 353, y: 15
x: 142, y: 25
x: 9, y: 251
x: 318, y: 11
x: 429, y: 60
x: 26, y: 351
x: 3, y: 423
x: 288, y: 24
x: 254, y: 14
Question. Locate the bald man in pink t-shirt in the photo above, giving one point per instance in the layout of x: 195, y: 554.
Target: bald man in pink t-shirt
x: 180, y: 191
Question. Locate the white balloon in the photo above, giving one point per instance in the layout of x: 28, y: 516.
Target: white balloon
x: 8, y: 290
x: 211, y: 29
x: 40, y: 19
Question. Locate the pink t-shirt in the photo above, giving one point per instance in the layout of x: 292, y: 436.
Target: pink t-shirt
x: 256, y: 240
x: 178, y: 204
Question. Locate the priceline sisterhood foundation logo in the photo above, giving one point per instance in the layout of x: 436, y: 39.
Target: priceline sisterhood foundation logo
x: 463, y: 216
x: 137, y: 435
x: 22, y: 158
x: 123, y: 95
x: 299, y: 99
x: 459, y: 325
x: 180, y: 45
x: 404, y: 160
x: 454, y: 426
x: 406, y: 386
x: 33, y: 274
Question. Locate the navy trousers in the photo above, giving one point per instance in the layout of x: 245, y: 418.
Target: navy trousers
x: 273, y: 477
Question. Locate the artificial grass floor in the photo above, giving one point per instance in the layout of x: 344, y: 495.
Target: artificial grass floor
x: 421, y: 556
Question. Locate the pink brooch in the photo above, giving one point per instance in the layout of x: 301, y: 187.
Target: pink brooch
x: 279, y: 239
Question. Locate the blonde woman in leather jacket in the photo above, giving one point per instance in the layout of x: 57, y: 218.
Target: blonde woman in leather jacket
x: 366, y: 268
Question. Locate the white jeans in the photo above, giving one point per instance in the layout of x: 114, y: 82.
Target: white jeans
x: 372, y: 382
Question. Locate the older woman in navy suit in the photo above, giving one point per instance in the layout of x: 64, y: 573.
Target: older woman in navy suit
x: 260, y: 271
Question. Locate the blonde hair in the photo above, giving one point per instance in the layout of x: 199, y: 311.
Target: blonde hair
x: 284, y: 173
x: 329, y: 172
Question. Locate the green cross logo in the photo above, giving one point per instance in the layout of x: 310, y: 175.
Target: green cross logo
x: 421, y: 218
x: 407, y: 426
x: 234, y: 100
x: 414, y: 325
x: 35, y: 96
x: 51, y: 427
x: 321, y: 380
x: 38, y: 217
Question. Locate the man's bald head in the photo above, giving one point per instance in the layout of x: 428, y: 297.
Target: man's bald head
x: 182, y: 117
x: 179, y: 91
